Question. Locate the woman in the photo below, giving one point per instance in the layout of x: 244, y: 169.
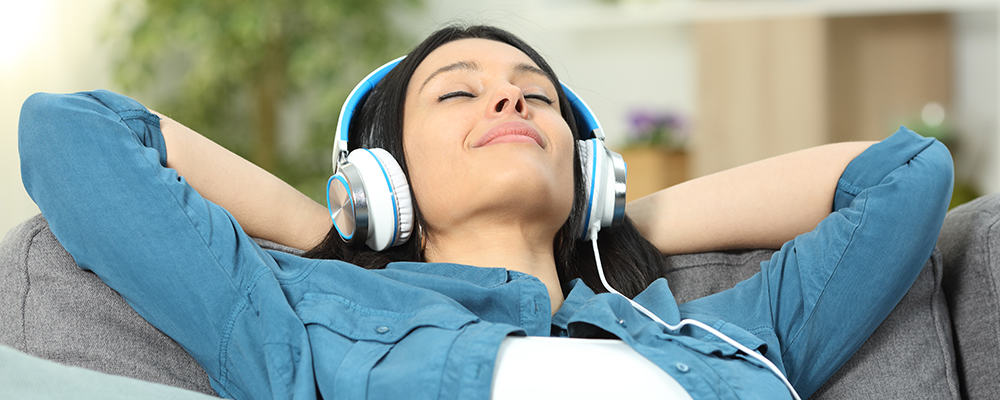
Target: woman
x: 163, y: 216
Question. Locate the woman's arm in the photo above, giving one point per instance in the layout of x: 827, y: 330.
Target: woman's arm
x: 265, y: 206
x: 95, y: 163
x: 825, y: 291
x: 758, y: 205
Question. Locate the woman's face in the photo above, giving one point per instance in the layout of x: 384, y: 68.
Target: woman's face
x: 484, y: 139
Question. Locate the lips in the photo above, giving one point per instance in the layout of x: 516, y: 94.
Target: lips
x: 508, y: 132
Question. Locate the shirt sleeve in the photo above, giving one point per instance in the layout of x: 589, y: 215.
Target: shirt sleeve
x: 95, y: 163
x: 826, y: 291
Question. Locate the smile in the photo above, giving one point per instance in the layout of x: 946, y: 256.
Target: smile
x: 510, y: 132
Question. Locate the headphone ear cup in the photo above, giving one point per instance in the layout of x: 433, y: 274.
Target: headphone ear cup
x: 616, y: 188
x: 389, y: 207
x: 604, y: 180
x: 348, y: 205
x: 401, y: 190
x: 590, y: 166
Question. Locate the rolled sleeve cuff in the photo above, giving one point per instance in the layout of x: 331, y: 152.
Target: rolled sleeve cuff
x: 877, y: 161
x: 137, y: 117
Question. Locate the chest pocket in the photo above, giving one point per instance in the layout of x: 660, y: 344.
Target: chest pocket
x: 372, y: 333
x: 708, y: 344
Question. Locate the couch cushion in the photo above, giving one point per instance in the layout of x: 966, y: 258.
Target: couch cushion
x: 909, y: 356
x: 970, y: 243
x: 52, y: 309
x: 62, y: 313
x: 23, y: 376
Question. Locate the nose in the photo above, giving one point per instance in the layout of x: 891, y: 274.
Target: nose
x: 509, y: 99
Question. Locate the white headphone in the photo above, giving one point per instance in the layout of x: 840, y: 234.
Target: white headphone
x: 369, y: 197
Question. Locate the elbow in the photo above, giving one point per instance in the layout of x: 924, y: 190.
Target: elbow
x: 39, y: 122
x: 52, y: 131
x: 928, y: 192
x: 36, y: 124
x: 940, y: 174
x: 37, y: 111
x: 41, y: 108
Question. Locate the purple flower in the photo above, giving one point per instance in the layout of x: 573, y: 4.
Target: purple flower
x: 656, y: 128
x: 642, y: 123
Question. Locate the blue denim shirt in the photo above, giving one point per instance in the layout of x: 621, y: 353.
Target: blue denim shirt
x: 269, y: 324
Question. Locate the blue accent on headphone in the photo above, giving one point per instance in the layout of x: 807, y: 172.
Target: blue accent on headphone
x: 395, y: 213
x: 366, y: 86
x: 349, y: 196
x: 586, y: 123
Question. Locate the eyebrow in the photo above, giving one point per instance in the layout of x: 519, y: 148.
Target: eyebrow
x: 522, y: 68
x: 474, y: 66
x: 466, y: 65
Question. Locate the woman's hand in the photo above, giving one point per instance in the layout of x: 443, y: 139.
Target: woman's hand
x: 758, y: 205
x: 266, y: 207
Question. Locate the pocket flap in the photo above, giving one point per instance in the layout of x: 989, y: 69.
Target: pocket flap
x: 358, y: 322
x: 707, y: 343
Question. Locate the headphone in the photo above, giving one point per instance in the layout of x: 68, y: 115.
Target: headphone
x: 369, y: 198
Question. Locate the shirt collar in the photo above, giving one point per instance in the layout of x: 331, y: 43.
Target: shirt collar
x: 579, y: 292
x: 657, y: 298
x: 482, y: 276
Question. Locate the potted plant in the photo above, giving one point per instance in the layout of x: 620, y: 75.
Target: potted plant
x: 655, y: 151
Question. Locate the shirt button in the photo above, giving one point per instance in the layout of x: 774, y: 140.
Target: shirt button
x: 682, y: 367
x: 621, y: 322
x: 382, y: 329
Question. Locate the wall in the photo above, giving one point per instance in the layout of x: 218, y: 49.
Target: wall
x: 975, y: 102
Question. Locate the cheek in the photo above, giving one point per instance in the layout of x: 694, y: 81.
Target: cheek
x: 563, y: 172
x: 426, y: 161
x: 425, y: 142
x: 567, y: 178
x: 423, y: 185
x: 431, y: 158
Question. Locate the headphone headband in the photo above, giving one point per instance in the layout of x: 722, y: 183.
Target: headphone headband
x: 586, y: 122
x: 351, y: 104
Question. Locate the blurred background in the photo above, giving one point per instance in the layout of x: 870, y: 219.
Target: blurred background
x: 684, y: 88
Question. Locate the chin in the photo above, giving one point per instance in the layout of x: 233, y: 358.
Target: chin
x: 528, y: 185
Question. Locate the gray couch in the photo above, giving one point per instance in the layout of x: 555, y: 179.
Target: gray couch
x: 941, y: 341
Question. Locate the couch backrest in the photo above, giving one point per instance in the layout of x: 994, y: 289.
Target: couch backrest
x: 910, y: 356
x: 970, y: 244
x: 52, y: 309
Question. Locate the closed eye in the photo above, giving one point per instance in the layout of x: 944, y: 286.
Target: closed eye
x: 459, y: 93
x: 462, y: 93
x: 541, y: 97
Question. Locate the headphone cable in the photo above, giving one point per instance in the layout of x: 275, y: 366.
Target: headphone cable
x: 688, y: 321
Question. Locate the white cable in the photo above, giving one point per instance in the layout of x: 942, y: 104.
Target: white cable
x: 688, y: 321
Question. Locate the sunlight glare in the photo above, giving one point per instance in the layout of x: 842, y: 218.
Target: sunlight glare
x: 21, y: 25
